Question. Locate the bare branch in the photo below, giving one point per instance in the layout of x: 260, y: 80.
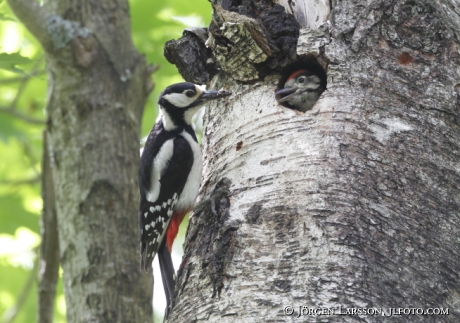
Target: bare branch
x: 16, y: 113
x: 22, y: 78
x: 23, y: 84
x: 11, y: 109
x: 27, y: 181
x: 33, y: 16
x: 21, y: 88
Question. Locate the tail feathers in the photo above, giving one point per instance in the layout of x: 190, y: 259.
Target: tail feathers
x: 168, y: 274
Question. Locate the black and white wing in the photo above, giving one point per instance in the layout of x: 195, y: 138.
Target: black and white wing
x: 162, y: 179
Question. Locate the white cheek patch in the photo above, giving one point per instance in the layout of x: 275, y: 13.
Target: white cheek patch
x: 313, y: 82
x: 179, y: 100
x: 188, y: 115
x: 200, y: 88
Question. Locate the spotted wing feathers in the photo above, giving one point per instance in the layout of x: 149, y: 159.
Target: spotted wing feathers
x: 155, y: 221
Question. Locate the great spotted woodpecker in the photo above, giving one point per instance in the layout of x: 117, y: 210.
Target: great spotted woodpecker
x: 301, y: 90
x: 170, y: 176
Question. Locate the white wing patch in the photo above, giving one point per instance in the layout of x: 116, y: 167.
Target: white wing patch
x: 192, y: 185
x: 159, y: 165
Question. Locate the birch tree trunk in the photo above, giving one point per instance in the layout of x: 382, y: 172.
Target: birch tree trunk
x: 98, y: 84
x: 352, y: 205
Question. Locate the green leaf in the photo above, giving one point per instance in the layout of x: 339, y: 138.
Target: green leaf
x: 9, y: 61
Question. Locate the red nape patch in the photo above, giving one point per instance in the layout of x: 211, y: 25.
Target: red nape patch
x: 295, y: 74
x: 173, y: 228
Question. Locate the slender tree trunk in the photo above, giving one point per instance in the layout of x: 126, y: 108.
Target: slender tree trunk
x: 354, y: 204
x: 98, y: 84
x: 49, y: 248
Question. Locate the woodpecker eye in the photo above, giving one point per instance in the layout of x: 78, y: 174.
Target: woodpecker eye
x: 189, y: 93
x: 301, y: 79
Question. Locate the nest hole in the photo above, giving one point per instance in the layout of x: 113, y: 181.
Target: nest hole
x: 309, y: 63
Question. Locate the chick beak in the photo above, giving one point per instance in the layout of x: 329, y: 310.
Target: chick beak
x: 285, y: 94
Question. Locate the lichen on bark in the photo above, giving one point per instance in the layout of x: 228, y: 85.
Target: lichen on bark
x: 247, y: 47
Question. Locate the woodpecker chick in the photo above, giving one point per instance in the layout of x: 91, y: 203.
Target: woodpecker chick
x: 301, y: 90
x: 170, y: 176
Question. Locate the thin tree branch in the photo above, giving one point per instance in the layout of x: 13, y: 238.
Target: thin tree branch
x: 22, y: 78
x: 10, y: 314
x: 49, y: 248
x: 30, y: 155
x: 18, y: 182
x: 22, y: 86
x: 16, y: 113
x: 33, y: 16
x: 11, y: 109
x: 21, y: 89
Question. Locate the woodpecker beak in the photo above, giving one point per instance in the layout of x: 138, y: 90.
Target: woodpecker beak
x: 213, y: 95
x: 286, y: 93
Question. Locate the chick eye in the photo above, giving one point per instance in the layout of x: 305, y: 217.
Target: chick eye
x: 301, y: 79
x: 189, y: 93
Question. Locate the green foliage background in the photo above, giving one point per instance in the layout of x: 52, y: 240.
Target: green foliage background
x: 22, y: 117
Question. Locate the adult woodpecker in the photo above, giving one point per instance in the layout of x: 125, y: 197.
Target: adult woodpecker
x: 170, y: 176
x: 301, y: 90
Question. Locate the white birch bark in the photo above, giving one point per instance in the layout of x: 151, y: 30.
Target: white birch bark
x: 354, y: 204
x: 309, y: 13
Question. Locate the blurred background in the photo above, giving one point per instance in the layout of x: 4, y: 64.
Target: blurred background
x: 22, y: 116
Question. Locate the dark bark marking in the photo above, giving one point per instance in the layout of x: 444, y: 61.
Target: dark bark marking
x: 253, y: 213
x: 282, y: 31
x: 239, y: 145
x: 282, y: 286
x: 95, y: 255
x: 405, y: 58
x: 69, y: 253
x: 84, y: 51
x: 213, y: 238
x: 93, y: 301
x: 188, y: 271
x: 218, y: 239
x: 90, y: 275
